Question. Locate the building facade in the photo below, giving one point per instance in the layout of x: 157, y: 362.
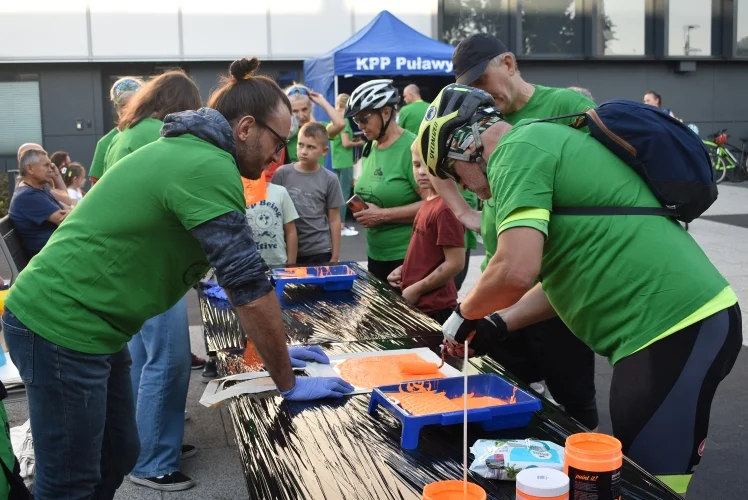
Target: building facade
x: 59, y: 58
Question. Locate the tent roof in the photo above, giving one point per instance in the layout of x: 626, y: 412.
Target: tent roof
x: 386, y: 34
x: 387, y: 38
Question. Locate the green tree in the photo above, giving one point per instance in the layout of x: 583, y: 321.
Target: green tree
x: 548, y: 26
x: 743, y: 46
x: 463, y: 18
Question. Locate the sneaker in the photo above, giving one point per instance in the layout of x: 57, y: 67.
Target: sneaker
x: 348, y: 231
x: 176, y: 481
x: 197, y: 362
x: 188, y: 451
x: 210, y: 371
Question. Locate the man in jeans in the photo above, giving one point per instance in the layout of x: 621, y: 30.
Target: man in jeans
x: 67, y: 325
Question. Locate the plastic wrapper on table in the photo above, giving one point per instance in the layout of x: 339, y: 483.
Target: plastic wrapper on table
x: 370, y: 310
x: 334, y: 450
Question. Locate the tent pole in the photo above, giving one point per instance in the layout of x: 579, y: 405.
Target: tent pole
x: 336, y: 87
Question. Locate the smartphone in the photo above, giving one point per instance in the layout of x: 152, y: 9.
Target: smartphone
x: 356, y: 204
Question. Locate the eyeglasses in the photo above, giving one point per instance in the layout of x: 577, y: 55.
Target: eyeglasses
x: 447, y: 168
x: 282, y: 143
x: 297, y: 90
x: 362, y: 120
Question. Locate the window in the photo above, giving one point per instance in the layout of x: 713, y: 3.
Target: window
x: 741, y: 28
x: 620, y: 27
x: 462, y: 18
x: 690, y: 28
x: 551, y: 27
x: 20, y: 115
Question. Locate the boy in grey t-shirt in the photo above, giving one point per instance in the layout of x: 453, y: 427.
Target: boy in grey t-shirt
x: 273, y: 227
x: 317, y: 196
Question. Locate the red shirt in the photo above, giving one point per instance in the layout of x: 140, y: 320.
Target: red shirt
x: 434, y: 227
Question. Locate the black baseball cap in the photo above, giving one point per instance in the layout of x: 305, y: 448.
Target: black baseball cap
x: 471, y: 56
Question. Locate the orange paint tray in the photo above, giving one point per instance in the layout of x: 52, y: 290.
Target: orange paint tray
x: 331, y: 278
x: 505, y: 416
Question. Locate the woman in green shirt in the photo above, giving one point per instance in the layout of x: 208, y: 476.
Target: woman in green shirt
x: 141, y: 121
x: 386, y: 183
x: 160, y: 351
x: 303, y: 100
x: 120, y: 94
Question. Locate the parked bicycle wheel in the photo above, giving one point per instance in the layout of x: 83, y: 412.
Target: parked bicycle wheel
x: 719, y: 167
x: 740, y: 172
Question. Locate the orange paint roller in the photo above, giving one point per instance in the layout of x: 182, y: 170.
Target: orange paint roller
x: 418, y: 367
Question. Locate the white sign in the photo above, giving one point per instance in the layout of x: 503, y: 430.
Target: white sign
x: 384, y: 63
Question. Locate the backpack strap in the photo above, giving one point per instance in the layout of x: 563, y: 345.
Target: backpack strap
x: 581, y: 119
x: 664, y: 212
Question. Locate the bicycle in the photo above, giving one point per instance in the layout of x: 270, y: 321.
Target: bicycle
x: 723, y: 159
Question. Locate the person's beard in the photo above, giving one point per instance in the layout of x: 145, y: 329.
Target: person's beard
x: 251, y: 161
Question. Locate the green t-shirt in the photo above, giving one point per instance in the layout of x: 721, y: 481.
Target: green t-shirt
x: 618, y: 282
x: 131, y: 139
x: 387, y: 181
x: 97, y: 165
x: 119, y: 260
x: 411, y: 116
x: 342, y: 157
x: 544, y: 103
x: 293, y: 144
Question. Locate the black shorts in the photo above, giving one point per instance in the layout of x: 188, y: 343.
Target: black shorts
x: 549, y: 351
x: 661, y: 396
x: 380, y: 269
x: 319, y: 258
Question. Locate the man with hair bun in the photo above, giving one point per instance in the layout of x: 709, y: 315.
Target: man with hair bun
x: 67, y: 326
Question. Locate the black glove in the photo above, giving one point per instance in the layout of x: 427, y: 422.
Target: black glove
x: 456, y: 329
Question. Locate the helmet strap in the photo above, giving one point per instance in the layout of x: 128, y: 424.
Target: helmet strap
x: 382, y: 131
x: 385, y: 124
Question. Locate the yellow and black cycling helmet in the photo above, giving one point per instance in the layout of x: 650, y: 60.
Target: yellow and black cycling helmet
x: 456, y: 106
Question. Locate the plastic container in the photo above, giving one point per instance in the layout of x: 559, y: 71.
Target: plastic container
x: 593, y: 463
x: 509, y: 416
x: 453, y: 490
x: 540, y: 483
x: 331, y: 278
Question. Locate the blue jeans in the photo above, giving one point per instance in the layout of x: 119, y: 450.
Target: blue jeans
x: 82, y: 415
x: 345, y: 177
x: 161, y: 364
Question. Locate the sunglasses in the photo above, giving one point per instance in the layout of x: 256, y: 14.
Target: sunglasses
x: 362, y: 120
x: 297, y: 90
x: 282, y: 143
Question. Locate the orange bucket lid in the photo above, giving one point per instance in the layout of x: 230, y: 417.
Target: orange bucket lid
x: 453, y: 490
x: 600, y: 446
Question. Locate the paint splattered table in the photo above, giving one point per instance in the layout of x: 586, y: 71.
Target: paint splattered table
x: 312, y: 316
x: 334, y: 449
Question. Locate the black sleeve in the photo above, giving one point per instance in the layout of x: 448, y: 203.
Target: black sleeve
x: 227, y: 242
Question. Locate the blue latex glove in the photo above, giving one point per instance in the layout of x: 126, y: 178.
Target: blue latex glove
x: 311, y: 388
x: 217, y: 293
x: 300, y: 354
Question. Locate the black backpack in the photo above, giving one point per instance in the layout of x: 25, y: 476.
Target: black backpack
x: 668, y: 155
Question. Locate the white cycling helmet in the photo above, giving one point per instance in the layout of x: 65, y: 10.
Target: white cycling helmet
x: 372, y: 95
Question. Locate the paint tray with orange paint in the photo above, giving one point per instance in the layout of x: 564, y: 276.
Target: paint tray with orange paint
x: 331, y: 278
x: 366, y: 370
x: 514, y: 411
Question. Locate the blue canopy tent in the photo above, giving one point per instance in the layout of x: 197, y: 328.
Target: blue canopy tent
x: 385, y: 47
